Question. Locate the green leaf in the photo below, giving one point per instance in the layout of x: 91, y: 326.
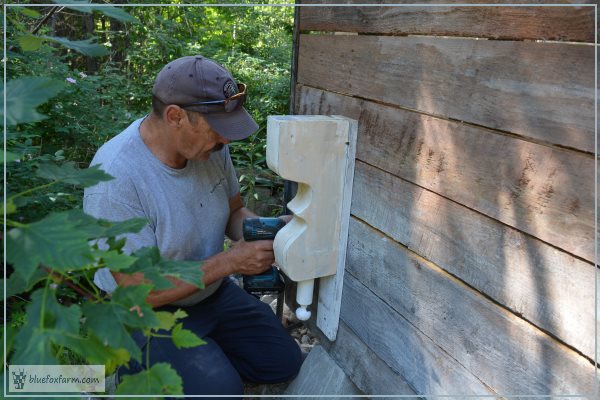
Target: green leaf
x: 114, y: 260
x: 10, y: 333
x: 179, y: 314
x: 86, y: 47
x: 83, y: 8
x: 94, y: 228
x: 69, y: 173
x: 133, y: 225
x: 24, y: 95
x: 154, y: 269
x: 55, y: 241
x: 127, y: 309
x: 47, y: 321
x: 10, y: 207
x: 30, y: 42
x: 95, y: 352
x: 28, y: 12
x: 60, y: 241
x: 188, y: 271
x: 35, y: 348
x: 167, y: 319
x: 161, y: 378
x: 10, y: 157
x: 17, y: 284
x: 184, y: 338
x: 135, y: 297
x: 147, y: 263
x: 117, y: 13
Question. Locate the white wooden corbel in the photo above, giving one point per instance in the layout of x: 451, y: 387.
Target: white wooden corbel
x: 318, y: 152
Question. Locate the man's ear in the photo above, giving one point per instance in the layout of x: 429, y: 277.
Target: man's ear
x: 174, y: 115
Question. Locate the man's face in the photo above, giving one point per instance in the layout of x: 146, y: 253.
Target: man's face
x: 197, y: 140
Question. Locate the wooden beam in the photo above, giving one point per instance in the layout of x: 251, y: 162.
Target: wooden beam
x: 364, y: 367
x: 550, y: 288
x: 575, y: 24
x: 504, y: 352
x: 418, y: 359
x: 542, y: 91
x: 544, y: 191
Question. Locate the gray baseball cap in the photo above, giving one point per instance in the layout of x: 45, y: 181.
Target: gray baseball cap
x: 199, y: 84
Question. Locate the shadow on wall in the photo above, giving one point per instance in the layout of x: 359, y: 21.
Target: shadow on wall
x: 495, y: 227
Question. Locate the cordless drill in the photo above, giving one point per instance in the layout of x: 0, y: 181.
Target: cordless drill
x: 269, y: 282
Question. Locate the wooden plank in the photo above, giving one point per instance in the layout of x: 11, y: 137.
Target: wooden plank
x: 542, y: 91
x: 368, y: 372
x: 540, y: 23
x: 550, y: 288
x: 544, y: 191
x: 424, y: 365
x: 505, y: 352
x: 330, y: 287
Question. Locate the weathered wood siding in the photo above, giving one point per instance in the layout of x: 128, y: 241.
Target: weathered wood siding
x: 470, y: 264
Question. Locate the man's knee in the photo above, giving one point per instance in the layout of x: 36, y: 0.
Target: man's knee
x: 205, y: 369
x: 291, y: 364
x: 283, y: 365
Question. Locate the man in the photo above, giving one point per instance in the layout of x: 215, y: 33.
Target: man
x: 173, y: 168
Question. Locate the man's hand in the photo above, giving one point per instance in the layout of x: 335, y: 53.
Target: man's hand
x: 251, y: 258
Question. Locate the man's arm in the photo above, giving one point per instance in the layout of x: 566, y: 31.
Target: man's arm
x: 246, y: 258
x: 237, y: 213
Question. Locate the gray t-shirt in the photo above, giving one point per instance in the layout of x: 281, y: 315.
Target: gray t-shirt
x: 187, y: 208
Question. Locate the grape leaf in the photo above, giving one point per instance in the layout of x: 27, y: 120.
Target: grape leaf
x: 114, y: 260
x: 114, y: 12
x: 24, y: 95
x: 128, y: 308
x: 55, y: 241
x: 167, y: 319
x: 16, y: 284
x: 94, y: 351
x: 161, y: 378
x: 33, y: 343
x: 154, y: 269
x: 185, y: 338
x: 28, y: 12
x: 68, y: 173
x: 86, y: 47
x: 117, y: 13
x: 30, y: 42
x: 10, y: 157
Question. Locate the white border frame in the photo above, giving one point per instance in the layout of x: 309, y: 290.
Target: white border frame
x: 595, y: 6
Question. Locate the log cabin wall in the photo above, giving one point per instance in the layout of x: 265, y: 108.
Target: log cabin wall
x: 470, y: 265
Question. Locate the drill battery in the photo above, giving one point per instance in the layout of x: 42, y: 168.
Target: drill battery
x: 269, y: 282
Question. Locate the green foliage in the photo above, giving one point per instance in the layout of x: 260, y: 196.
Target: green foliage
x: 160, y: 379
x: 111, y: 320
x: 184, y: 338
x: 73, y: 83
x: 24, y: 95
x: 117, y: 13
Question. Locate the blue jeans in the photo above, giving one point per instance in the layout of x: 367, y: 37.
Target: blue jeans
x: 245, y: 343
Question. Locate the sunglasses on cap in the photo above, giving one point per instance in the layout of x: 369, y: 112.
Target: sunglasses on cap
x: 228, y: 105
